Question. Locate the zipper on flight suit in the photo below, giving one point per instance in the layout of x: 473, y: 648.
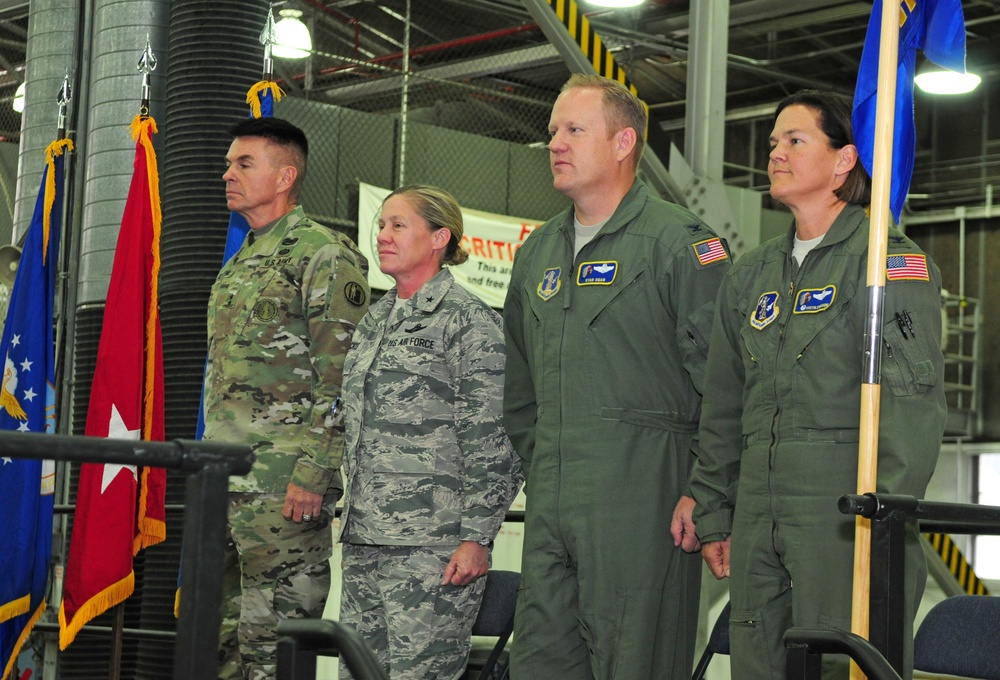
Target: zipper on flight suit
x: 797, y: 270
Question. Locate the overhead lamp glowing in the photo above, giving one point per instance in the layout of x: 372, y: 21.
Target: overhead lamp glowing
x: 18, y: 102
x: 940, y: 81
x: 292, y: 36
x: 615, y: 4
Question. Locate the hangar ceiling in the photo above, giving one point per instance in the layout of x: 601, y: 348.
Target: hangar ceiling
x: 485, y: 67
x: 504, y: 73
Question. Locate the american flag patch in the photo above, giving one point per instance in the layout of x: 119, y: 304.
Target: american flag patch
x: 906, y: 268
x: 710, y: 251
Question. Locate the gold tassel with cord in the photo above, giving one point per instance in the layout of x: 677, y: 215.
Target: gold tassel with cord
x: 52, y: 151
x: 253, y: 95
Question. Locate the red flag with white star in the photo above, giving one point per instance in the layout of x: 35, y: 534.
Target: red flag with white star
x: 119, y: 509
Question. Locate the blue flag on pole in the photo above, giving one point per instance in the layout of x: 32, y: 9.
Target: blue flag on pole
x: 261, y: 98
x: 27, y: 404
x: 938, y: 28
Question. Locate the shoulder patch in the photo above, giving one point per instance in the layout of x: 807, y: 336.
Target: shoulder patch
x: 710, y: 251
x: 355, y: 293
x: 906, y: 267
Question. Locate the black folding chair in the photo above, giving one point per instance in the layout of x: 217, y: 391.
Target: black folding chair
x: 718, y: 643
x: 496, y: 619
x: 960, y: 636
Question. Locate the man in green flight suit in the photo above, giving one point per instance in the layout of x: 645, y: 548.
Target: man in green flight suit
x: 607, y: 319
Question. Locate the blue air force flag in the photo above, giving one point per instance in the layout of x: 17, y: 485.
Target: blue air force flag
x: 938, y: 28
x: 27, y: 404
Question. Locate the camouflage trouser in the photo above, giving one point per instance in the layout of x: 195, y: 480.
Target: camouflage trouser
x: 419, y: 629
x: 274, y: 570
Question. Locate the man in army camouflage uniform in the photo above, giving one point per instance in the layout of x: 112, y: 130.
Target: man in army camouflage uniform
x: 430, y: 471
x: 280, y: 320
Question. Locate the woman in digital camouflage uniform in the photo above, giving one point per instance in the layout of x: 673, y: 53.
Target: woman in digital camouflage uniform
x: 430, y: 470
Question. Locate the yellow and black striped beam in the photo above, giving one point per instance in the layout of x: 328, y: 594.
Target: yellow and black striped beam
x: 957, y: 564
x: 589, y: 41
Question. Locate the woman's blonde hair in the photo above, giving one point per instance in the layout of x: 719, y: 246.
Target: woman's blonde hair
x: 441, y: 210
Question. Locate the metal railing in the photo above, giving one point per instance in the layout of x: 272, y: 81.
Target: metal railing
x: 304, y: 639
x: 881, y: 657
x: 208, y: 466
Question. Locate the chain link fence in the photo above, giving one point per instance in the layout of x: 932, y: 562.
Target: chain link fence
x: 449, y: 114
x: 10, y: 137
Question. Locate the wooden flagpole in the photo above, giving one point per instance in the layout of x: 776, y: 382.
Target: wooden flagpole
x: 878, y: 237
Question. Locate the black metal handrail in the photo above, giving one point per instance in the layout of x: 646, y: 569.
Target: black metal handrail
x: 208, y: 465
x: 303, y: 639
x: 890, y: 515
x: 907, y: 508
x: 805, y: 648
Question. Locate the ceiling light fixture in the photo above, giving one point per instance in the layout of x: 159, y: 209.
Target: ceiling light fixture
x: 18, y: 102
x: 616, y: 4
x: 292, y: 39
x: 939, y: 81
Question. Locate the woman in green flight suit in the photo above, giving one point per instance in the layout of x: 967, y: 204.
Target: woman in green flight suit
x: 780, y: 417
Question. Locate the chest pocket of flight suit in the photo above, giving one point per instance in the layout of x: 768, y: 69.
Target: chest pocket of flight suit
x: 622, y: 326
x: 907, y: 367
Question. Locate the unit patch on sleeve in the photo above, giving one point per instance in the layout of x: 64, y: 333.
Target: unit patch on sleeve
x: 909, y: 267
x: 812, y: 300
x: 766, y: 312
x: 550, y: 284
x: 355, y: 293
x: 710, y: 251
x: 596, y: 273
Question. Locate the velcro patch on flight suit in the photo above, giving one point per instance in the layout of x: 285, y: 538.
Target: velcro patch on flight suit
x: 766, y: 312
x: 813, y: 300
x: 551, y: 283
x: 597, y: 273
x: 907, y: 267
x: 710, y: 251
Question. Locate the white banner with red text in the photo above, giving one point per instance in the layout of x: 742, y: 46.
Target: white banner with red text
x: 490, y: 239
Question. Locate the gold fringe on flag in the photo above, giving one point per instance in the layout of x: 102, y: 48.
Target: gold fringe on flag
x: 151, y: 531
x: 52, y: 151
x: 253, y: 95
x: 98, y: 604
x: 22, y: 638
x: 15, y: 608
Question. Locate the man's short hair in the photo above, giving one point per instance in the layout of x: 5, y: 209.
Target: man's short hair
x: 622, y: 109
x: 282, y: 133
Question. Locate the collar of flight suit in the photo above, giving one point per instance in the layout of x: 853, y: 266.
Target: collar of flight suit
x: 843, y: 227
x: 630, y: 207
